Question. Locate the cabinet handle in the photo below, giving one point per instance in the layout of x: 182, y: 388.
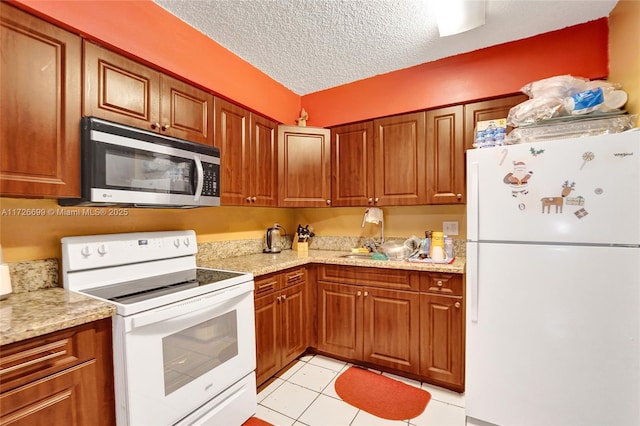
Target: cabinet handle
x: 359, y: 293
x: 366, y: 293
x: 370, y: 200
x: 439, y: 283
x: 165, y: 127
x: 253, y: 199
x: 377, y: 199
x: 279, y: 299
x: 269, y: 284
x: 248, y: 199
x: 284, y: 297
x: 459, y: 196
x: 295, y: 276
x: 155, y: 126
x: 328, y: 202
x: 457, y: 305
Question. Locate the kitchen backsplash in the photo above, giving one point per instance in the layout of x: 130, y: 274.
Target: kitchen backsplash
x: 41, y: 274
x: 34, y: 275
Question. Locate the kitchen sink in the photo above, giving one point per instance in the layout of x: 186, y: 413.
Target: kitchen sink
x: 357, y: 256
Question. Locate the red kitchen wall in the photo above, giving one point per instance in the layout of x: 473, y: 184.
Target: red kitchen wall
x: 145, y: 30
x: 579, y: 50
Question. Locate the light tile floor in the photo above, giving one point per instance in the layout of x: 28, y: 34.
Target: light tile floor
x: 305, y: 395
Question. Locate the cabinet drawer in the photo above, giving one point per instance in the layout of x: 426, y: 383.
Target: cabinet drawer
x: 439, y: 283
x: 265, y: 284
x: 32, y: 359
x: 294, y: 276
x: 377, y: 277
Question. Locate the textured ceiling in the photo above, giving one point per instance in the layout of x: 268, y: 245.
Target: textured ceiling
x: 311, y: 45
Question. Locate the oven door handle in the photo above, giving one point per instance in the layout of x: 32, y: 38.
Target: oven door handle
x: 200, y: 177
x: 191, y: 306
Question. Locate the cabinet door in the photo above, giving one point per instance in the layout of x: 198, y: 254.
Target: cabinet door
x: 293, y: 310
x: 340, y: 320
x: 267, y: 330
x: 232, y: 137
x: 391, y: 328
x: 487, y: 110
x: 353, y: 171
x: 263, y: 165
x: 445, y: 156
x: 304, y: 167
x: 399, y: 153
x: 442, y: 340
x: 40, y: 71
x: 185, y: 111
x: 119, y: 89
x: 65, y: 398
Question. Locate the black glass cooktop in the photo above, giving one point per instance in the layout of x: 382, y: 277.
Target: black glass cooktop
x: 139, y: 290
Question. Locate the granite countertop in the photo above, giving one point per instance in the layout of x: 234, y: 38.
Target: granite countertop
x: 265, y: 263
x: 35, y: 313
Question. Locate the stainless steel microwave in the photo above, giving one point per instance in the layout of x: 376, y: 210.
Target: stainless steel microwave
x: 123, y: 165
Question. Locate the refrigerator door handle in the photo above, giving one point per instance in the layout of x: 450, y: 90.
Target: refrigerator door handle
x: 473, y: 286
x: 473, y: 201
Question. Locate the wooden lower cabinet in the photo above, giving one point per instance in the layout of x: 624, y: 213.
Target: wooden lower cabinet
x: 442, y: 340
x: 62, y: 378
x: 373, y: 325
x: 402, y: 321
x: 281, y: 315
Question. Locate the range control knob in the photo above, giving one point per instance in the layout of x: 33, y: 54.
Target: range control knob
x: 176, y: 242
x: 86, y: 251
x: 187, y: 242
x: 102, y: 250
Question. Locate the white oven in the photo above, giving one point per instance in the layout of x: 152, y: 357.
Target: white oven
x: 184, y: 337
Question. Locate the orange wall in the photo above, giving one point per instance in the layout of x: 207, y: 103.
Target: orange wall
x: 145, y: 30
x: 580, y: 50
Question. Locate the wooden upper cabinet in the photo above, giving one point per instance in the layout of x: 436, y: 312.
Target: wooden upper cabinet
x: 122, y: 90
x: 399, y: 155
x: 263, y: 162
x: 353, y: 166
x: 304, y: 166
x: 487, y: 110
x: 248, y: 155
x: 40, y: 98
x: 185, y: 111
x: 119, y: 89
x: 232, y: 137
x: 445, y: 156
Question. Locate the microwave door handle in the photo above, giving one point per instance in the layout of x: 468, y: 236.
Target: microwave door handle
x: 200, y: 178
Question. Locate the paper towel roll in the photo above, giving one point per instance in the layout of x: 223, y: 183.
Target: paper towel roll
x: 5, y: 282
x: 373, y: 215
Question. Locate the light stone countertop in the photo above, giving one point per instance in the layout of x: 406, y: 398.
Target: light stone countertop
x: 35, y: 313
x: 266, y: 263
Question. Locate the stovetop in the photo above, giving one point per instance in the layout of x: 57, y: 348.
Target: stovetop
x: 139, y: 290
x: 141, y: 271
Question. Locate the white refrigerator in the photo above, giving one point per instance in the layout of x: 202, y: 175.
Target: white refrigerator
x: 553, y: 282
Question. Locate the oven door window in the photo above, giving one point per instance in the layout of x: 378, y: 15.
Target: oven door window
x: 194, y: 351
x: 135, y: 169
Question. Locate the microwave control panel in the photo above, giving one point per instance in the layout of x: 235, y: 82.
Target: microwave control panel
x: 210, y: 184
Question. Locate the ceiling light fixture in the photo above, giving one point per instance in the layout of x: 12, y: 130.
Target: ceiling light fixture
x: 458, y: 16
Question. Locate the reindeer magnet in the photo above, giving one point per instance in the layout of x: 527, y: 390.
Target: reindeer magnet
x: 558, y: 202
